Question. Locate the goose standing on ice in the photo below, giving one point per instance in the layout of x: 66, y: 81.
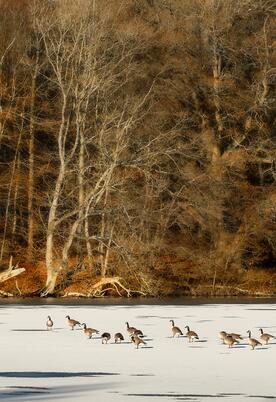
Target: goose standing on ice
x: 118, y: 337
x: 175, y: 330
x: 105, y: 337
x: 265, y: 337
x: 130, y: 330
x: 72, y: 323
x: 222, y: 335
x: 230, y: 340
x: 89, y: 331
x: 49, y: 323
x: 137, y: 341
x: 138, y: 332
x: 192, y: 335
x: 251, y: 341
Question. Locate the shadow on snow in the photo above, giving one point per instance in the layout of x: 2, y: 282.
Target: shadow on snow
x: 53, y: 374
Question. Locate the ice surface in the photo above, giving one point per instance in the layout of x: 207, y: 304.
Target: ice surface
x: 63, y: 365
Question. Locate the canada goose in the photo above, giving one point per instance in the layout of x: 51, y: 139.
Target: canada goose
x: 49, y: 323
x: 230, y: 341
x: 191, y: 334
x: 135, y: 339
x: 251, y: 341
x: 72, y: 323
x: 118, y: 337
x: 222, y: 335
x: 89, y: 331
x: 175, y: 330
x: 265, y: 337
x: 138, y: 332
x: 105, y: 337
x: 236, y: 336
x: 130, y: 330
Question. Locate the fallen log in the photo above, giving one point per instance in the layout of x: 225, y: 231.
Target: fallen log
x: 74, y: 294
x: 6, y: 294
x: 98, y: 290
x: 104, y: 285
x: 11, y: 272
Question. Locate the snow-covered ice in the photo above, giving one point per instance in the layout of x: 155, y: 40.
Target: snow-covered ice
x: 63, y: 365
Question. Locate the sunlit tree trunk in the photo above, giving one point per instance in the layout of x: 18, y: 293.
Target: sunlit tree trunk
x: 31, y: 163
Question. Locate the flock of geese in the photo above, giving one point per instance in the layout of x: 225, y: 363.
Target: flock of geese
x: 136, y: 335
x: 232, y: 338
x: 227, y: 338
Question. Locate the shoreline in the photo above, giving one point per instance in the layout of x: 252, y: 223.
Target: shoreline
x: 113, y: 301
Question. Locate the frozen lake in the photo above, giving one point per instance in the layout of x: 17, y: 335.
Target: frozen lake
x: 63, y: 365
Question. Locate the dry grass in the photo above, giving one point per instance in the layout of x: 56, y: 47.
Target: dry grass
x: 171, y: 276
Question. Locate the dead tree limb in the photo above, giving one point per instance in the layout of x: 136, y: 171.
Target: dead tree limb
x: 99, y: 289
x: 115, y: 282
x: 11, y: 272
x: 6, y: 294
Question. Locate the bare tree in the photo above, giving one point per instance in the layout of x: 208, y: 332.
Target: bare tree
x: 89, y: 70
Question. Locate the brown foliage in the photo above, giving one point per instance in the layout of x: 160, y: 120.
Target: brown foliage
x: 137, y: 141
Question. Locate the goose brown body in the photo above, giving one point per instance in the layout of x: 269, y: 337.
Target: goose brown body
x: 222, y: 335
x: 138, y: 332
x: 118, y: 337
x: 236, y: 336
x: 137, y: 341
x: 130, y: 330
x: 265, y: 337
x: 72, y: 323
x: 251, y: 341
x: 89, y: 331
x: 230, y: 341
x: 175, y: 330
x: 192, y: 335
x: 105, y: 337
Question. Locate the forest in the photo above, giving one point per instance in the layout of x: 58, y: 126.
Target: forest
x: 137, y: 148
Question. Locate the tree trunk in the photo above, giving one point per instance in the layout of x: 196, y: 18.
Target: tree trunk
x: 50, y: 283
x: 107, y: 253
x: 51, y: 271
x: 31, y: 165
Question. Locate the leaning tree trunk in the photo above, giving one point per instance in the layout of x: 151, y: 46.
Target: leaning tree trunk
x: 52, y: 271
x: 31, y: 164
x: 50, y: 285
